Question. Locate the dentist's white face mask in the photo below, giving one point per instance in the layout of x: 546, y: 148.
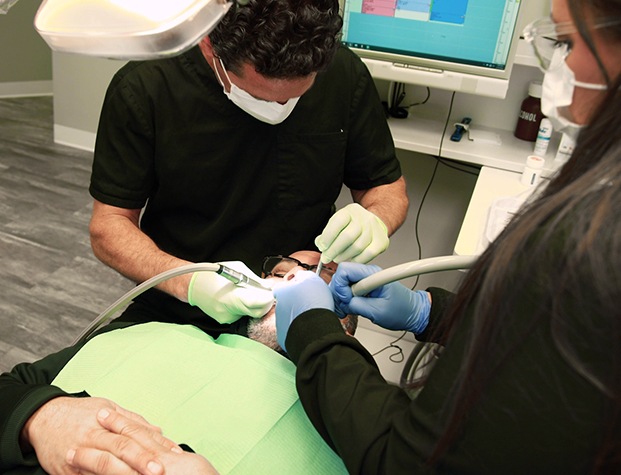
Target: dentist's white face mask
x: 265, y: 111
x: 559, y: 82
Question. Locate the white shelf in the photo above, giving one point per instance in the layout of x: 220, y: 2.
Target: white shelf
x: 510, y: 155
x: 420, y: 133
x: 423, y: 132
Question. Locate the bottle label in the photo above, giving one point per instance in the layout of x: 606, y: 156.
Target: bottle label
x: 528, y: 116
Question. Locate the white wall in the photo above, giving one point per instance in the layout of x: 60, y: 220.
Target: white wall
x: 25, y: 59
x: 80, y: 84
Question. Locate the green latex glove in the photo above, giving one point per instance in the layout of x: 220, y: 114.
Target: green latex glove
x: 226, y: 302
x: 352, y: 234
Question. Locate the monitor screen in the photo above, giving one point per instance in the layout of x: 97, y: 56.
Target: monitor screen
x: 462, y: 40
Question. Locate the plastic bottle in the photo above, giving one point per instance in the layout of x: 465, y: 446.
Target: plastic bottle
x: 543, y: 137
x: 532, y: 170
x: 565, y: 149
x: 530, y: 114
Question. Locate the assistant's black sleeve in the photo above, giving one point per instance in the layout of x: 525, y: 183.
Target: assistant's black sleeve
x: 440, y: 300
x: 364, y: 419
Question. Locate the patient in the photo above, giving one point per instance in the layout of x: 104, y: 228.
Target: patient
x: 230, y: 399
x: 279, y: 267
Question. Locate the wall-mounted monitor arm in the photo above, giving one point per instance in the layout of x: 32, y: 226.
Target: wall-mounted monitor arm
x: 438, y: 78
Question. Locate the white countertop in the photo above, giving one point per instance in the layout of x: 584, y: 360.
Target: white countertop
x: 491, y: 185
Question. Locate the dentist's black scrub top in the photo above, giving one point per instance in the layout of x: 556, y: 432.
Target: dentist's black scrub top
x: 219, y: 184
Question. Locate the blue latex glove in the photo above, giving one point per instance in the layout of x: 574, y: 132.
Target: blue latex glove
x: 392, y: 306
x: 304, y: 292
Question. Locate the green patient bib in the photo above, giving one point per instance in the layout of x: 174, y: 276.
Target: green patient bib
x: 231, y: 399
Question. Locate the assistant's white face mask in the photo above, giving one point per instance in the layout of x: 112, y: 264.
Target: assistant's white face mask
x: 559, y: 82
x: 265, y: 111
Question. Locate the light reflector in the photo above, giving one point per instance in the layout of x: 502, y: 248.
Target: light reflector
x: 127, y: 29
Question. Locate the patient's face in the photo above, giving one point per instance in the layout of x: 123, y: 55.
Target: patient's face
x: 264, y: 329
x: 287, y: 267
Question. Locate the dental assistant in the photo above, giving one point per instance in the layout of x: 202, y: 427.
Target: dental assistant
x: 529, y: 377
x: 239, y: 147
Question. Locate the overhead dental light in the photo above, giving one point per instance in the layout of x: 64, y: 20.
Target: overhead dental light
x: 127, y: 29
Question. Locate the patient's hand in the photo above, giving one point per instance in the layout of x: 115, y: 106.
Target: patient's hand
x: 64, y: 424
x: 174, y: 460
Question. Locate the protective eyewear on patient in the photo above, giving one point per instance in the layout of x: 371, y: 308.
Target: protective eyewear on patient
x: 278, y: 266
x: 546, y: 36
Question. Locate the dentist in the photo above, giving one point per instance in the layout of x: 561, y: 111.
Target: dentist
x: 237, y: 148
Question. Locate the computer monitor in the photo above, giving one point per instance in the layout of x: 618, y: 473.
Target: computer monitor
x: 459, y: 45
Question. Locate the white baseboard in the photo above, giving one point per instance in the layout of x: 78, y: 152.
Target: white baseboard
x: 74, y: 137
x: 26, y: 88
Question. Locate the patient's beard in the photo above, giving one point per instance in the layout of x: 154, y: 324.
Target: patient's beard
x: 263, y: 330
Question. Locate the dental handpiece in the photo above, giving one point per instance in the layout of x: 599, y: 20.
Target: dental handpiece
x: 238, y: 278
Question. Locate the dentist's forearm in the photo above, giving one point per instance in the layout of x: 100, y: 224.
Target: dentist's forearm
x: 388, y: 202
x: 118, y: 242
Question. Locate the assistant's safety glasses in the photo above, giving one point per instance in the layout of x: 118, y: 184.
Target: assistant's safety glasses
x: 278, y: 266
x: 546, y: 37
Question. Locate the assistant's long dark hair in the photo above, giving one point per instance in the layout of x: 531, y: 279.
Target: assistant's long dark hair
x: 579, y: 216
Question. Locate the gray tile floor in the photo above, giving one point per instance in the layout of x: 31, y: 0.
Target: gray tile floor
x: 51, y: 285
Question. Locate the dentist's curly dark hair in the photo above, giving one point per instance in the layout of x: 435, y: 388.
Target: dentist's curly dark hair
x: 281, y: 38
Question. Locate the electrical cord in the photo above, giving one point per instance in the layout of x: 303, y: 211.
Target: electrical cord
x: 397, y: 357
x: 418, y: 213
x: 474, y: 170
x: 446, y: 124
x: 424, y: 101
x: 396, y: 95
x: 431, y: 180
